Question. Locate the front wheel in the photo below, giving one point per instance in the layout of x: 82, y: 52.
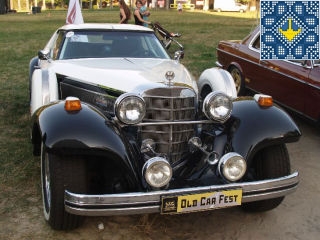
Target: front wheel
x: 57, y: 175
x: 271, y: 162
x: 238, y: 80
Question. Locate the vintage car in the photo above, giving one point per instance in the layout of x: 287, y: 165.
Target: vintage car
x: 123, y: 128
x: 294, y: 84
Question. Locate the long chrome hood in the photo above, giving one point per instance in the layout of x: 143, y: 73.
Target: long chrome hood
x: 125, y: 74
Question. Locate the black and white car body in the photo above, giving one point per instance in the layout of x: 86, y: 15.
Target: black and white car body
x: 122, y: 128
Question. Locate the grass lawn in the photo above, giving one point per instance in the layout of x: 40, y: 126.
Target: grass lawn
x: 22, y: 35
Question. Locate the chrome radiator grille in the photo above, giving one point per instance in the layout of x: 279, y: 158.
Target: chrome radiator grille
x: 170, y: 107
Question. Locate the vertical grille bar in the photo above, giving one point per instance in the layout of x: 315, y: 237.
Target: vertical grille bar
x: 170, y: 105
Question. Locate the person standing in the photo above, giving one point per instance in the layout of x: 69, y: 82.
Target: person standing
x: 144, y: 11
x: 125, y: 13
x: 138, y: 18
x: 179, y: 7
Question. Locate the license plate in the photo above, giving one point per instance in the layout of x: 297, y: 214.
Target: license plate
x: 201, y: 201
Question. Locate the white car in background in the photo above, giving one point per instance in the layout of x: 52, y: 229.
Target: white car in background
x: 229, y: 6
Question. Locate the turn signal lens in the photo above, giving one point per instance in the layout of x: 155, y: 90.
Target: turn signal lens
x: 72, y: 104
x: 263, y: 100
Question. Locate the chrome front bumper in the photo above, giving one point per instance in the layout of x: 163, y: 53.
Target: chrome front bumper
x: 149, y: 202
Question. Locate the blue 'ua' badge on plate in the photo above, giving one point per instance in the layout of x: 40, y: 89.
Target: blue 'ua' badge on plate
x: 289, y: 30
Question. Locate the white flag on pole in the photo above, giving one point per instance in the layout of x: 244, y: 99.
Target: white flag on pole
x: 74, y: 15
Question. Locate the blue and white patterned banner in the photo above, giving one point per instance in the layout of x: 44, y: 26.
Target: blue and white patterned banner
x: 289, y: 29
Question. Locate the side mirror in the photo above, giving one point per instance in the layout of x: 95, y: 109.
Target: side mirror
x: 43, y: 55
x: 178, y: 55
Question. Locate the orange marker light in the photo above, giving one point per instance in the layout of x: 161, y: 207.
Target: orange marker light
x: 263, y: 100
x: 72, y: 104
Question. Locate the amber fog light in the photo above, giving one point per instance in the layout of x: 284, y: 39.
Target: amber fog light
x: 72, y: 104
x: 157, y: 172
x: 263, y: 100
x: 232, y: 166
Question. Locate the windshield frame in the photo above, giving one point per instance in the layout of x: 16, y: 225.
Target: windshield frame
x: 110, y: 44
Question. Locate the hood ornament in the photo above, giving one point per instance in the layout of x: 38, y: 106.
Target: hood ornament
x: 169, y: 76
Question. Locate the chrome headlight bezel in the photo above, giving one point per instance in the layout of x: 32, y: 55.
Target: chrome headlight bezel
x: 157, y: 172
x: 232, y: 166
x: 130, y: 108
x: 217, y: 106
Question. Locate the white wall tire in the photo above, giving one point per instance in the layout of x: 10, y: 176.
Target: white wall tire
x: 57, y: 174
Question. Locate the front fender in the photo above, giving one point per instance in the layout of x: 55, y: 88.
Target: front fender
x: 44, y: 88
x: 216, y: 79
x: 33, y: 64
x: 252, y: 128
x: 86, y: 132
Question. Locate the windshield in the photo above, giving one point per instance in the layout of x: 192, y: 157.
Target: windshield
x: 108, y: 44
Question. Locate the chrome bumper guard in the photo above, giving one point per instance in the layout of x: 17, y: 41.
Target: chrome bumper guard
x: 149, y: 202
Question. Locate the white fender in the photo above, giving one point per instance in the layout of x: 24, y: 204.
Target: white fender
x: 44, y: 89
x: 218, y: 79
x: 36, y: 95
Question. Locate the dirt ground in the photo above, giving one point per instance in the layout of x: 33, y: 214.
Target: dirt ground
x: 298, y: 217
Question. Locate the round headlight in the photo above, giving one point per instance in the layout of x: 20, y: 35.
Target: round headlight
x: 217, y: 106
x: 232, y: 166
x: 157, y: 172
x: 130, y: 108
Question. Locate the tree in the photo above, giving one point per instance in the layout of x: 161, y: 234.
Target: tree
x: 3, y: 6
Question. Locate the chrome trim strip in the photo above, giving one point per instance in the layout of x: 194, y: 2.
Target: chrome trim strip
x: 218, y: 64
x: 45, y: 88
x: 250, y: 45
x: 149, y: 202
x: 175, y: 123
